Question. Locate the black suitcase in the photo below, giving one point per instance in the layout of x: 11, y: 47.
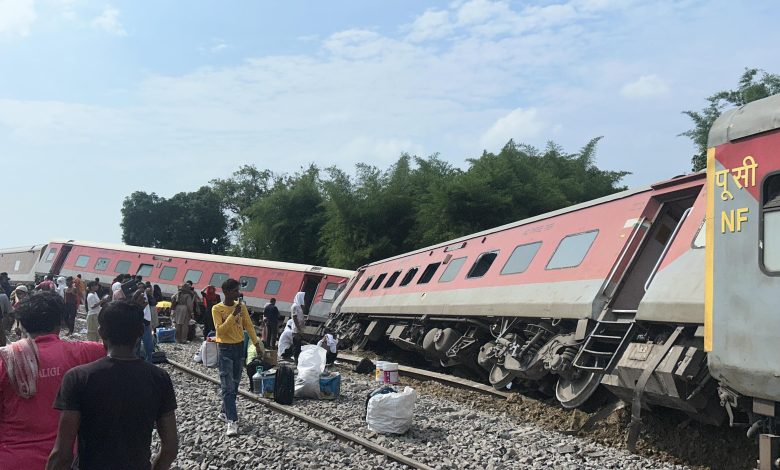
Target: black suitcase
x: 284, y: 387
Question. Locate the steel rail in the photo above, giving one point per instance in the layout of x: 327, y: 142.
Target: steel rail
x: 427, y: 375
x: 348, y: 436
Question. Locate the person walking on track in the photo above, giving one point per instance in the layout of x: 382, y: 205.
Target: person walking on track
x: 231, y: 319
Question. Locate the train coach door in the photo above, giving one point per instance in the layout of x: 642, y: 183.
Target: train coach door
x: 653, y: 236
x: 673, y: 210
x: 59, y: 261
x: 309, y: 286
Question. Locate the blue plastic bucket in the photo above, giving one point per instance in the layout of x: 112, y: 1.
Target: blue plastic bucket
x: 267, y: 384
x: 330, y: 386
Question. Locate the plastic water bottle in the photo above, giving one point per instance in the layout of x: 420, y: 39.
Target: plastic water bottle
x: 257, y: 381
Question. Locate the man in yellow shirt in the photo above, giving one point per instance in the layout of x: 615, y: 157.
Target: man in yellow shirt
x: 231, y: 318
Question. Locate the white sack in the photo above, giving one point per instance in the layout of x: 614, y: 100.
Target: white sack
x: 209, y: 353
x: 311, y: 363
x: 391, y: 413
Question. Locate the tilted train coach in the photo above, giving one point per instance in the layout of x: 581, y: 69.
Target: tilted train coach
x: 665, y: 295
x: 260, y: 280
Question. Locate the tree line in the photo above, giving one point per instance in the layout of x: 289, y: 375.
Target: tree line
x: 333, y: 218
x: 327, y: 216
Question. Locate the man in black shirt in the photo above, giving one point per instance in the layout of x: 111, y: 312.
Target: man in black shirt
x: 114, y: 403
x: 271, y: 315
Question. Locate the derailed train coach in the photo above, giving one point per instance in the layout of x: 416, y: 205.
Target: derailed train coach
x: 742, y: 269
x: 260, y: 280
x: 609, y: 295
x: 562, y: 302
x: 21, y: 263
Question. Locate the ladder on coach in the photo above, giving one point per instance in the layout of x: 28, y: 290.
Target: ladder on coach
x: 606, y: 341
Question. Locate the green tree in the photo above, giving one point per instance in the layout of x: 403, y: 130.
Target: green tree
x: 754, y: 84
x: 187, y: 221
x: 518, y: 182
x: 196, y: 222
x: 285, y: 223
x: 140, y: 222
x: 240, y: 192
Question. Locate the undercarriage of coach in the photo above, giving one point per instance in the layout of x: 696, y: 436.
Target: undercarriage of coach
x: 654, y: 364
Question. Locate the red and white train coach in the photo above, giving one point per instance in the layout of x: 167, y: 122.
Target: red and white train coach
x: 572, y: 300
x: 260, y: 280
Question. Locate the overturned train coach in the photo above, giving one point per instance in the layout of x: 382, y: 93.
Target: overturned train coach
x: 665, y: 295
x: 260, y: 280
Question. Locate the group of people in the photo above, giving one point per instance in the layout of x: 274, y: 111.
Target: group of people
x: 71, y: 289
x: 108, y: 397
x: 54, y: 393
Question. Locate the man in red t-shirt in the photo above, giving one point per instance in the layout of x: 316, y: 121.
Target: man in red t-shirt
x: 28, y: 423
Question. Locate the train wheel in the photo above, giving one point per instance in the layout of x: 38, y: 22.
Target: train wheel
x: 429, y: 342
x: 575, y: 393
x: 444, y: 340
x: 500, y: 377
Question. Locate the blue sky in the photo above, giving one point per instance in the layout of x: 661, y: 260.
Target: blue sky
x: 98, y: 100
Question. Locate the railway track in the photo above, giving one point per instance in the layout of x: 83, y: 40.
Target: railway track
x: 427, y: 375
x: 311, y: 421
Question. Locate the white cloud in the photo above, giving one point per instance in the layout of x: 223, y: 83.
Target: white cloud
x: 378, y: 150
x: 109, y: 21
x: 433, y: 24
x: 646, y: 86
x: 520, y: 124
x: 16, y: 17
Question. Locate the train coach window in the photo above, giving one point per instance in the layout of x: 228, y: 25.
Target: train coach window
x: 521, y: 258
x: 427, y: 275
x: 51, y: 254
x: 247, y: 283
x: 482, y: 264
x: 379, y: 281
x: 770, y: 214
x: 122, y: 267
x: 81, y: 261
x: 101, y: 264
x: 366, y: 284
x: 194, y: 276
x: 272, y: 287
x: 452, y: 269
x: 218, y: 278
x: 168, y: 273
x: 393, y: 277
x: 144, y: 270
x: 572, y: 250
x: 408, y: 277
x: 330, y: 292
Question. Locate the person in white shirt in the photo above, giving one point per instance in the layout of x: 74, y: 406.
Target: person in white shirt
x: 285, y: 347
x: 296, y: 314
x: 94, y: 304
x: 330, y: 344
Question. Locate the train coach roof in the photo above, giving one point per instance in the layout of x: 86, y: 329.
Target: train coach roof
x: 21, y: 249
x: 547, y: 215
x: 753, y: 118
x: 213, y: 258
